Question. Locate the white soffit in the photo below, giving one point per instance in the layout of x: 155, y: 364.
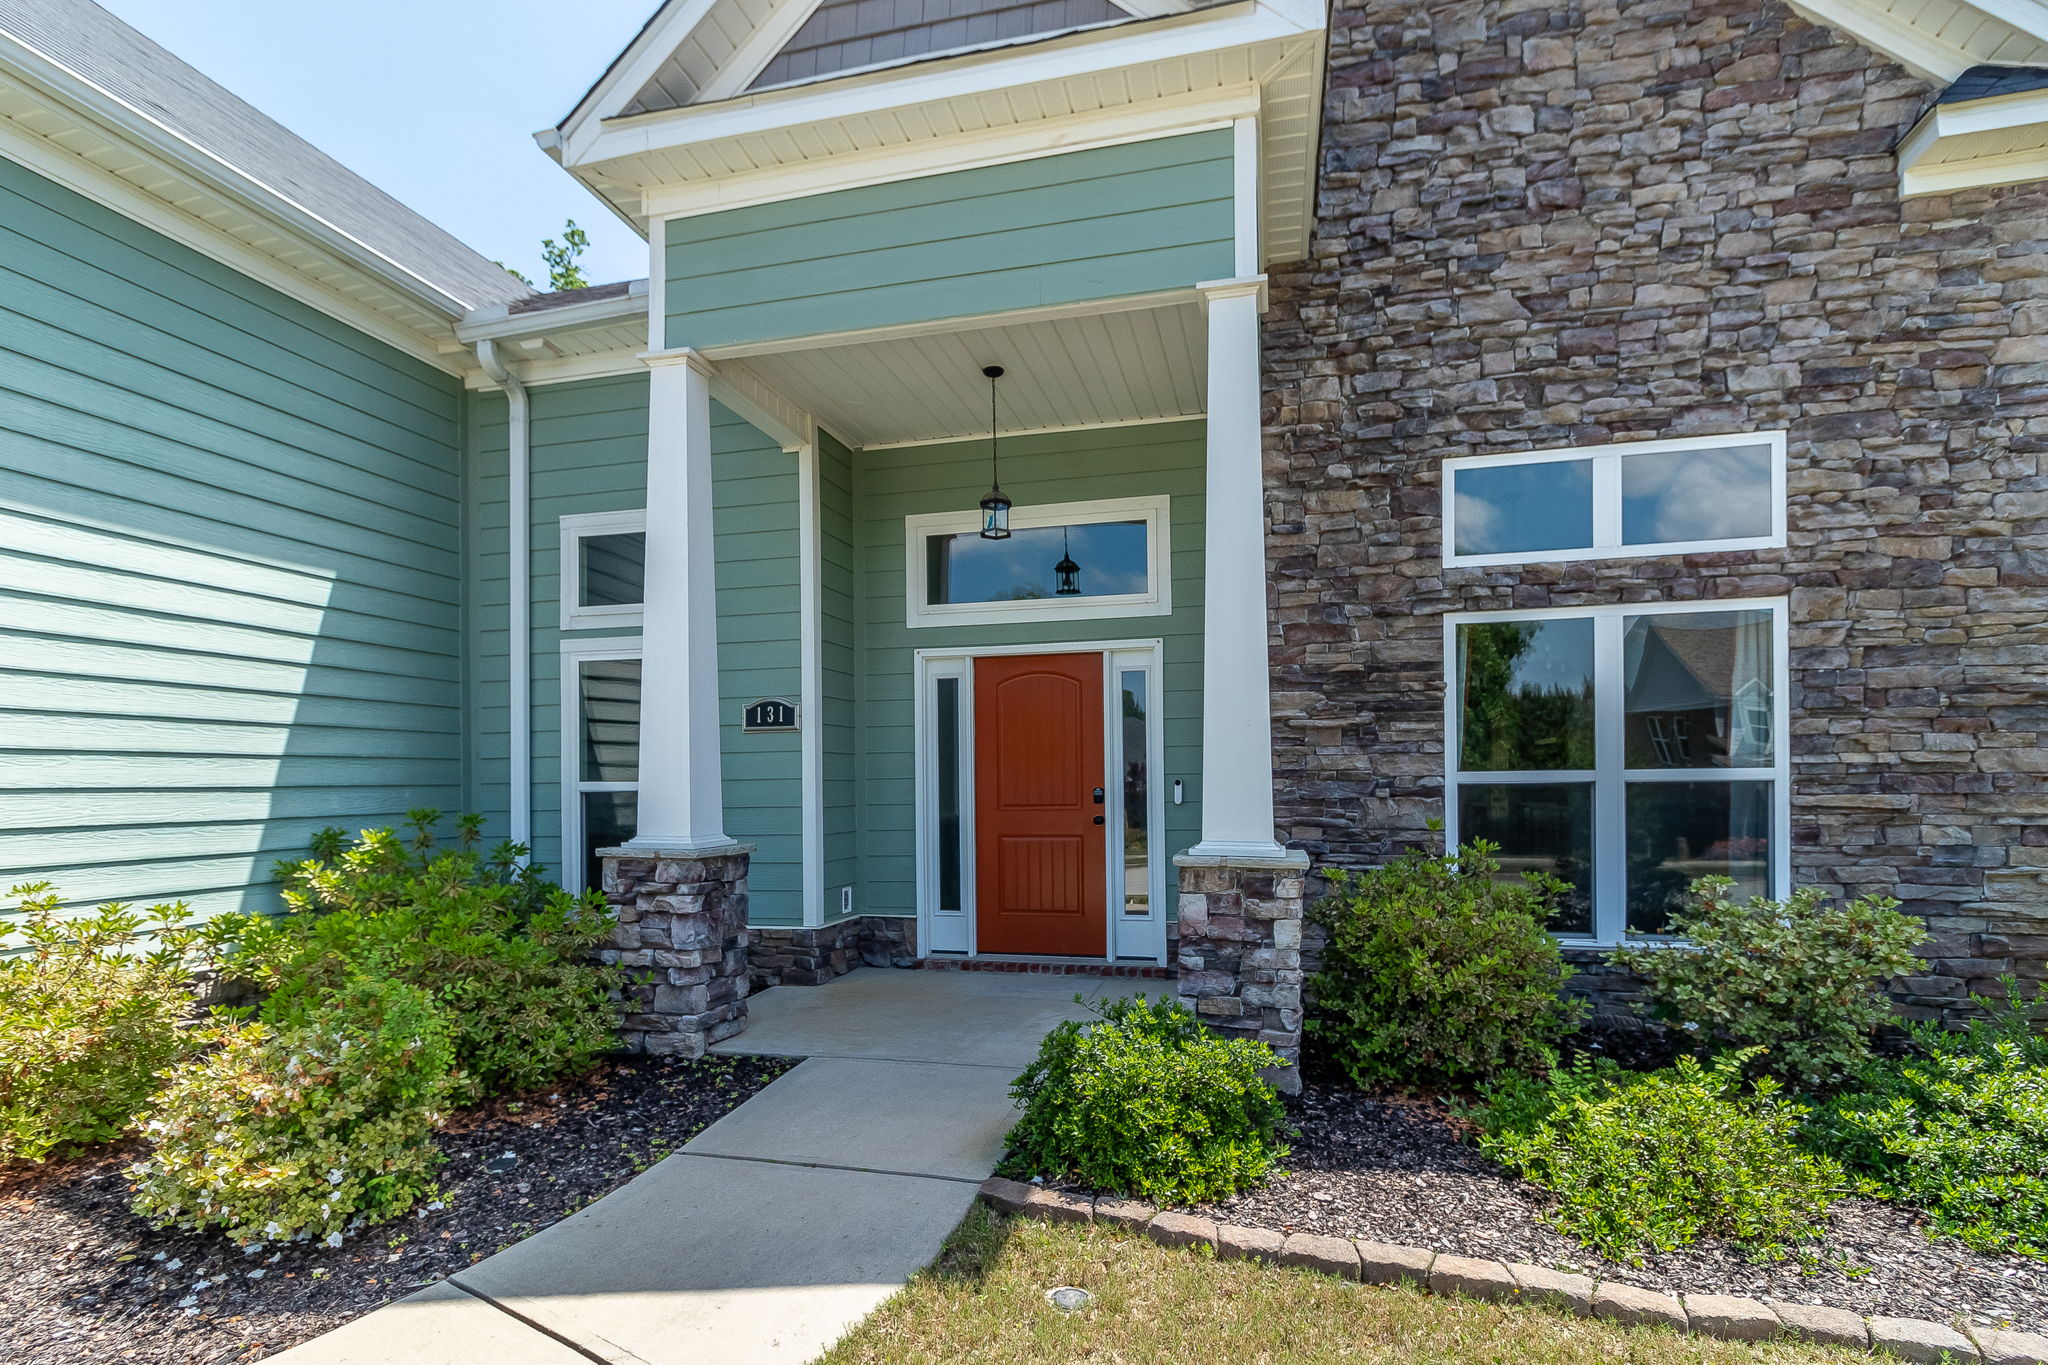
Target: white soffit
x: 1941, y: 39
x: 1998, y: 141
x: 1097, y: 369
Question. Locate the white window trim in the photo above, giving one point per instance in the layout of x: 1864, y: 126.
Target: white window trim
x: 569, y: 569
x: 1128, y: 937
x: 1607, y: 460
x: 1155, y: 512
x: 569, y: 729
x: 1610, y: 776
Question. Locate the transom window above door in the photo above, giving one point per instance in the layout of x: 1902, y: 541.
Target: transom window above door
x: 1061, y: 562
x: 1627, y: 751
x: 1603, y: 502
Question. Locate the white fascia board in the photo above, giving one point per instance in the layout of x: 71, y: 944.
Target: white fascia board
x: 646, y: 54
x: 971, y: 74
x: 1951, y: 123
x: 757, y: 49
x: 567, y: 369
x: 500, y: 323
x: 1919, y: 51
x: 76, y: 93
x: 1049, y: 137
x: 75, y: 173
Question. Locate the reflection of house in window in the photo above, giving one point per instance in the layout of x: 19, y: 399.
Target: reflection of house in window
x: 1698, y: 690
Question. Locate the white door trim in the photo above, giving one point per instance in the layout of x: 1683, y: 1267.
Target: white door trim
x: 941, y: 930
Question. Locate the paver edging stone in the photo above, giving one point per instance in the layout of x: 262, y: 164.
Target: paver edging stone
x: 1725, y: 1316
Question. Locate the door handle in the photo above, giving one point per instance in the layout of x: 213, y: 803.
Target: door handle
x: 1098, y: 819
x: 1098, y: 796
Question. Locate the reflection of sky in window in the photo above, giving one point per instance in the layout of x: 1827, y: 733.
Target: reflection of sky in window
x: 1696, y: 495
x: 1512, y: 509
x: 966, y: 568
x: 1559, y: 656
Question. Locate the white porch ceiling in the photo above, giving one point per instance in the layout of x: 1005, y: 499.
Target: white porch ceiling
x: 1078, y: 371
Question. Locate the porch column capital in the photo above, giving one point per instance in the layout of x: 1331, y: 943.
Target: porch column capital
x: 681, y: 355
x: 1242, y: 286
x: 681, y: 806
x: 1237, y: 706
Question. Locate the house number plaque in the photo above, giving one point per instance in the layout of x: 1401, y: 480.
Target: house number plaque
x: 770, y: 713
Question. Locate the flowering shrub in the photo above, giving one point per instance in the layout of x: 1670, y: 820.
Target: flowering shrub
x: 1960, y: 1129
x: 87, y: 1019
x: 1437, y: 969
x: 306, y: 1130
x: 1798, y: 978
x: 1653, y: 1161
x: 1146, y: 1100
x: 501, y: 950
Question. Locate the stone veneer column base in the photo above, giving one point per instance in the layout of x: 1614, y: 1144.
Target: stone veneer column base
x: 682, y: 938
x: 1240, y: 949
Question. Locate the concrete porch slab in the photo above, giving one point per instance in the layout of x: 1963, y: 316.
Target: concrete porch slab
x: 705, y: 1258
x: 919, y: 1118
x: 975, y: 1018
x: 440, y: 1325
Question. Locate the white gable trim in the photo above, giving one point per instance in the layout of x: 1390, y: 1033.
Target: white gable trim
x: 758, y: 49
x: 621, y: 85
x: 1189, y: 113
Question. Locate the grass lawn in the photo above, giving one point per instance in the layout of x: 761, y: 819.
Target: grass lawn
x: 983, y: 1300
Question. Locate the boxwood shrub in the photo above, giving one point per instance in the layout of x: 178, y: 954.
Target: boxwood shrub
x: 1144, y: 1099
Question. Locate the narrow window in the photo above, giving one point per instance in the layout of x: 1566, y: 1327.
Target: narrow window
x: 946, y: 725
x: 608, y: 766
x: 1110, y: 559
x: 1137, y: 799
x: 614, y: 570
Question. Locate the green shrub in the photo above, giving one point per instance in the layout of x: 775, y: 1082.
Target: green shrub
x: 503, y: 952
x: 1654, y: 1161
x: 1799, y: 978
x: 1960, y: 1129
x: 88, y: 1018
x: 302, y: 1131
x: 1146, y: 1100
x: 1439, y: 970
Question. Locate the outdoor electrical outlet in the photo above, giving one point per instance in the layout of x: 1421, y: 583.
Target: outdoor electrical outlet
x: 845, y: 900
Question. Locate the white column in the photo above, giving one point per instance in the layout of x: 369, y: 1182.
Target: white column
x: 682, y: 807
x: 1237, y: 707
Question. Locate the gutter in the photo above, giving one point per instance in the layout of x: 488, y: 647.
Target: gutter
x: 518, y: 590
x: 500, y: 323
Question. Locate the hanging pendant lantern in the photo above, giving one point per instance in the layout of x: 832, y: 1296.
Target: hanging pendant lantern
x: 1066, y: 573
x: 995, y: 505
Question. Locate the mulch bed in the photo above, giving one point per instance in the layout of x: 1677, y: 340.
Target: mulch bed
x: 82, y: 1279
x: 1395, y: 1169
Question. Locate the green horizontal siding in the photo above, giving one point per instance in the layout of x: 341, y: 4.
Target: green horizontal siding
x: 1113, y: 462
x: 589, y: 454
x: 230, y: 593
x: 1101, y: 223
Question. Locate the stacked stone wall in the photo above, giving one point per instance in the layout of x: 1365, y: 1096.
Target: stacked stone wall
x: 681, y: 937
x: 1548, y: 225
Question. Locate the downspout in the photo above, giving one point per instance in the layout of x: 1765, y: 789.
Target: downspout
x: 519, y: 590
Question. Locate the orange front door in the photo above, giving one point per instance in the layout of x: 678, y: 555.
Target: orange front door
x: 1041, y: 885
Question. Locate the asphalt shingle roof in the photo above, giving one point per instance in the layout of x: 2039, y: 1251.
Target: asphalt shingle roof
x: 1984, y: 82
x: 100, y: 48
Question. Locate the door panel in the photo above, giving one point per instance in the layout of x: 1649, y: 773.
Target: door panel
x: 1041, y: 884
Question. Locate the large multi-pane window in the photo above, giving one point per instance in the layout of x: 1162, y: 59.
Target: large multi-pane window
x: 1627, y: 751
x: 601, y: 759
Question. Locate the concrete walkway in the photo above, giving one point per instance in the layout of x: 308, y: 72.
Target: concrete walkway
x: 781, y: 1225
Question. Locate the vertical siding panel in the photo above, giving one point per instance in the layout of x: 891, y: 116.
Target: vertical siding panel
x: 230, y: 568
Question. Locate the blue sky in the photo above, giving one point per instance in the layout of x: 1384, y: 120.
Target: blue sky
x: 434, y: 101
